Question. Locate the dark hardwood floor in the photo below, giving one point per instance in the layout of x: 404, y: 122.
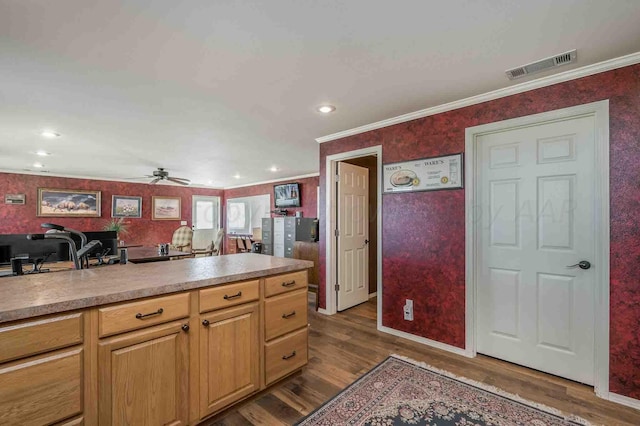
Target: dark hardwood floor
x: 345, y: 346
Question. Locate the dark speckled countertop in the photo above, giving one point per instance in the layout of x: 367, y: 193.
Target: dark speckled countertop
x: 40, y: 294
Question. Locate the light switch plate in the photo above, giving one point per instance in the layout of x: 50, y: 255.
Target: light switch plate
x: 183, y: 223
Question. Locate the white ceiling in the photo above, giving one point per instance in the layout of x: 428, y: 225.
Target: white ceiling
x: 209, y: 89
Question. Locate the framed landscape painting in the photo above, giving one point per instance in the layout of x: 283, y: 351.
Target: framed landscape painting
x: 125, y: 206
x: 68, y: 203
x: 165, y: 208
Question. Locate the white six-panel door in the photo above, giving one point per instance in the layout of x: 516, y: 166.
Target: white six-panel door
x: 353, y: 227
x: 535, y: 213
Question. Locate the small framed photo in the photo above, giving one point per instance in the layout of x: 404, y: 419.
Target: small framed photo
x: 68, y: 203
x: 125, y: 206
x: 165, y: 208
x: 14, y: 199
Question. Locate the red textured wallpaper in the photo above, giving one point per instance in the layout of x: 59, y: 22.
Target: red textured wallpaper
x: 22, y: 219
x: 308, y: 192
x: 423, y: 233
x: 308, y: 195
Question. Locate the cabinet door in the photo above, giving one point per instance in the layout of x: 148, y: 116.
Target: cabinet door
x: 143, y: 377
x: 41, y: 390
x: 229, y: 357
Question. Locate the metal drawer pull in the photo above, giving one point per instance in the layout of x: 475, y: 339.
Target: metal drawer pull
x: 143, y: 316
x: 285, y: 316
x: 233, y: 296
x: 289, y: 283
x: 291, y: 355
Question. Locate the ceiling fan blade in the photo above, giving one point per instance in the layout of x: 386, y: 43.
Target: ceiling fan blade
x: 153, y: 182
x: 180, y: 181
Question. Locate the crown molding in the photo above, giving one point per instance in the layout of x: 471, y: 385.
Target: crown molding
x: 273, y: 181
x: 106, y: 179
x: 573, y: 74
x: 193, y: 185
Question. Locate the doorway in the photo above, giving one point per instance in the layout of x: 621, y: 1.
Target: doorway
x: 371, y: 159
x: 537, y: 221
x: 205, y: 220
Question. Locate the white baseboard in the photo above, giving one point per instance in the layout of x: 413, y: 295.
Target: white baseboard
x: 624, y: 400
x: 425, y: 341
x: 324, y: 311
x: 372, y: 295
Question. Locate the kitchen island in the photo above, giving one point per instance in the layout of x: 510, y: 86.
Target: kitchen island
x: 146, y: 344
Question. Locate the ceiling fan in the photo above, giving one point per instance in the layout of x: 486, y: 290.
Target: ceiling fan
x: 162, y: 174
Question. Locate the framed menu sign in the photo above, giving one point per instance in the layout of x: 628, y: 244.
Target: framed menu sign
x: 427, y: 174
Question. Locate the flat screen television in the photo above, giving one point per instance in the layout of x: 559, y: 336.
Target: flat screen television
x: 287, y: 195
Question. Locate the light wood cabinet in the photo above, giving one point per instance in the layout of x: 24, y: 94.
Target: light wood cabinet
x: 133, y: 316
x: 285, y: 355
x: 42, y: 390
x: 33, y: 337
x: 174, y: 359
x: 285, y: 325
x: 285, y: 313
x: 283, y: 283
x: 229, y: 357
x: 229, y: 295
x: 143, y: 377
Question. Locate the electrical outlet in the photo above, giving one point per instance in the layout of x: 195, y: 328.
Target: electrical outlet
x: 408, y: 310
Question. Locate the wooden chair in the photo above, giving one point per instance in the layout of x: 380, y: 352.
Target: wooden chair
x: 242, y: 248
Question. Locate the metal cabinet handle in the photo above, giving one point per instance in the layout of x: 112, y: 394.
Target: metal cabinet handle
x: 233, y: 296
x: 291, y: 355
x: 583, y: 264
x: 285, y: 316
x: 205, y: 323
x: 143, y: 316
x: 185, y: 327
x: 289, y: 283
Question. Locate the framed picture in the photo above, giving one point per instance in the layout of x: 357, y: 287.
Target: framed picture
x: 14, y: 199
x: 426, y: 174
x: 165, y: 208
x: 68, y: 203
x: 125, y: 206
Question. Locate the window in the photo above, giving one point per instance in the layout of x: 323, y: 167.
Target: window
x: 246, y: 213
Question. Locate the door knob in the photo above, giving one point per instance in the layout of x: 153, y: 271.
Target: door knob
x: 583, y: 264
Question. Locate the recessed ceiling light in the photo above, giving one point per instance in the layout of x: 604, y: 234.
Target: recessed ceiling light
x: 38, y: 165
x: 50, y: 135
x: 42, y: 153
x: 237, y: 176
x: 209, y: 182
x: 273, y: 169
x: 326, y: 109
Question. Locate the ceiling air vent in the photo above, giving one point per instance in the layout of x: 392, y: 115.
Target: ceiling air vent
x: 543, y: 64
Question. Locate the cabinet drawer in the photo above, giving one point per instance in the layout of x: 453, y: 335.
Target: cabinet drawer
x: 285, y: 313
x: 132, y: 316
x: 34, y: 337
x: 229, y: 295
x: 285, y: 282
x: 285, y: 355
x: 41, y: 390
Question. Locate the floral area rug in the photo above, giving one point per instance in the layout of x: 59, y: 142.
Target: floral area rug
x: 400, y: 391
